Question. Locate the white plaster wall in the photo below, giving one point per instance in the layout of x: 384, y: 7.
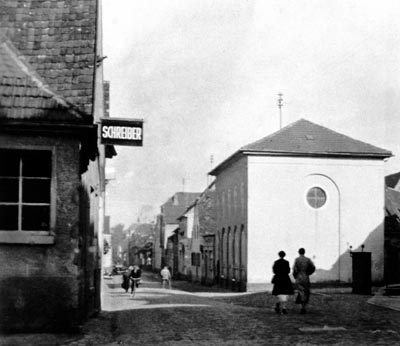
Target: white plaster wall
x: 188, y: 251
x: 190, y: 216
x: 279, y: 217
x: 168, y: 231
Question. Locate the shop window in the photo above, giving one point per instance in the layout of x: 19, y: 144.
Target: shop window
x: 25, y: 194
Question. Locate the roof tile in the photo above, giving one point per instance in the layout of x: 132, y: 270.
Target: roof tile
x: 23, y: 94
x: 45, y: 28
x: 305, y: 137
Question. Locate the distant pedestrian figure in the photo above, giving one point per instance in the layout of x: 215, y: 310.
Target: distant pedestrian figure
x: 125, y: 279
x: 302, y: 269
x: 135, y: 277
x: 165, y: 277
x: 282, y: 283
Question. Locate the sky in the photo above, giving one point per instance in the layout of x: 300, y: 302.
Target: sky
x: 204, y: 76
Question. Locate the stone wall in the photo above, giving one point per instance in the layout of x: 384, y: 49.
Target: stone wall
x: 39, y: 287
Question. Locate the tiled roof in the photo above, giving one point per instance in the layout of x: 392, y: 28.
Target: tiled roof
x: 306, y: 139
x: 393, y: 181
x: 176, y: 205
x: 209, y: 190
x: 57, y: 38
x: 392, y: 203
x: 24, y: 95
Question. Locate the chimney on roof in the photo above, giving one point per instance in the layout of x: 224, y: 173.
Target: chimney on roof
x: 280, y: 105
x: 211, y: 167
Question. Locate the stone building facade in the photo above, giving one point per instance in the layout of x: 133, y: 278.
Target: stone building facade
x: 51, y: 164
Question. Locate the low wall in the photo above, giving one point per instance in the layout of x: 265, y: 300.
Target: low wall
x: 38, y: 304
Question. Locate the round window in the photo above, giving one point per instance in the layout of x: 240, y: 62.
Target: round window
x: 316, y: 197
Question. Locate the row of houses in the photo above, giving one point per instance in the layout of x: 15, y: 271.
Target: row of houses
x: 52, y: 180
x: 303, y: 186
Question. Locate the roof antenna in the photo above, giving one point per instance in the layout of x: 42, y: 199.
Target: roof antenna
x: 280, y: 105
x: 183, y: 184
x: 211, y: 166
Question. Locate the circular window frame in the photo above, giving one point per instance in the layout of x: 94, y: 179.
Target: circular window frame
x: 316, y: 197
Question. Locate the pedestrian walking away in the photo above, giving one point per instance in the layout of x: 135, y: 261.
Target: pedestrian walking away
x: 165, y: 277
x: 135, y: 277
x: 302, y: 269
x: 283, y: 286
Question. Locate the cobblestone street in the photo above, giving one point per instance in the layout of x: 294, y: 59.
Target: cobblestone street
x: 156, y: 316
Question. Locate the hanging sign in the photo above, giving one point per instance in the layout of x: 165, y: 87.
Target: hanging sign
x: 119, y: 131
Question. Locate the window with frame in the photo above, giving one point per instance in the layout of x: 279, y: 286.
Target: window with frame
x: 25, y: 190
x: 316, y: 197
x: 196, y: 259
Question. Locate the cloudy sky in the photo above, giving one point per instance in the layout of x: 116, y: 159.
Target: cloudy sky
x: 205, y: 74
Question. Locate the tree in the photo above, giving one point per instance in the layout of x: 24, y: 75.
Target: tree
x: 119, y: 243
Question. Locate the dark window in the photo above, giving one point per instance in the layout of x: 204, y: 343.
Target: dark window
x: 9, y: 217
x: 36, y: 190
x: 36, y: 163
x: 196, y: 259
x: 9, y: 166
x: 316, y: 197
x: 35, y: 218
x: 25, y: 190
x: 9, y: 189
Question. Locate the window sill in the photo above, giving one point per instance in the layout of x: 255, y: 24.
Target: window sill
x: 13, y: 237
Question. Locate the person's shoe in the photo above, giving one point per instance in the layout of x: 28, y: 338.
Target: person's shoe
x: 303, y: 311
x: 277, y: 309
x: 284, y: 311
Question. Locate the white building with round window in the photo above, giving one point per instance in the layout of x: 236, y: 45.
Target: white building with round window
x: 303, y: 186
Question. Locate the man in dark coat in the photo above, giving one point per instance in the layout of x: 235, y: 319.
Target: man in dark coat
x: 282, y: 284
x: 302, y: 269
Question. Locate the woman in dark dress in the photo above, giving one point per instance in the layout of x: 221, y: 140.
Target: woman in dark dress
x: 125, y: 279
x: 282, y: 283
x: 135, y: 277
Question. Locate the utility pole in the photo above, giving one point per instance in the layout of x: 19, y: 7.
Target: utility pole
x: 280, y: 105
x: 183, y: 184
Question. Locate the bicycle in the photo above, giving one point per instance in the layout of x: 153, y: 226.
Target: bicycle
x: 134, y: 285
